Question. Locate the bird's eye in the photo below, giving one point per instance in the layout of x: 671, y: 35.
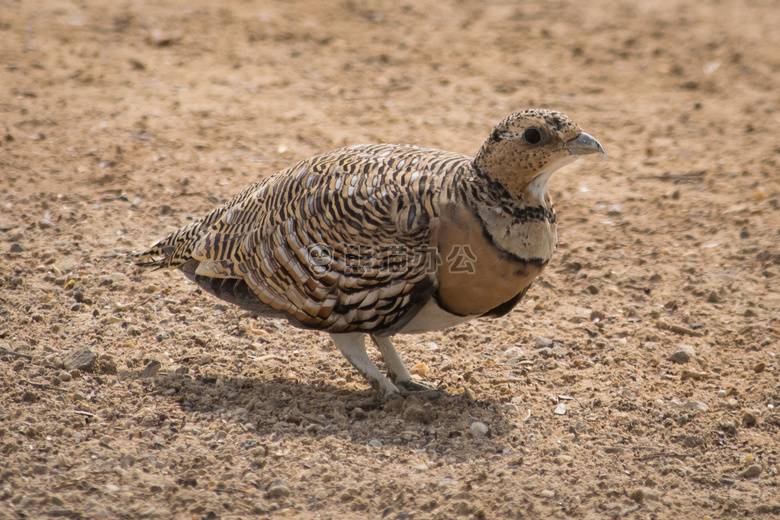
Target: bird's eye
x: 532, y: 136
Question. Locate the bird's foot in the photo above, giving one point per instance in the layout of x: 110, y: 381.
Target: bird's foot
x: 409, y: 388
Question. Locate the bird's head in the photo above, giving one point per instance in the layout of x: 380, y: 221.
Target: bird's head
x: 527, y: 147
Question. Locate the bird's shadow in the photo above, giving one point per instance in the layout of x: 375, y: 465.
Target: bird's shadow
x: 279, y: 408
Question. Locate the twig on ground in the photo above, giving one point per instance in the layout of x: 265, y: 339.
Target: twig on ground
x: 43, y: 385
x: 14, y: 353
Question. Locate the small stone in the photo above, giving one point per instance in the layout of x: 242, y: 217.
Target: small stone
x: 478, y: 428
x: 513, y: 354
x: 16, y: 247
x: 682, y: 355
x: 694, y: 406
x: 39, y: 469
x: 112, y: 488
x: 637, y: 495
x: 19, y: 365
x: 692, y: 374
x: 751, y: 472
x: 546, y: 352
x: 547, y: 493
x: 721, y: 393
x: 64, y: 376
x: 543, y: 342
x: 162, y: 336
x: 510, y: 407
x: 728, y: 426
x: 692, y: 441
x: 105, y: 440
x: 760, y: 367
x: 749, y: 419
x: 29, y: 397
x: 420, y: 414
x: 127, y: 461
x: 375, y: 443
x: 278, y: 489
x: 82, y: 359
x: 149, y: 421
x: 560, y: 409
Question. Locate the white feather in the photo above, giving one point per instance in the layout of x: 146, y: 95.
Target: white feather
x: 538, y: 186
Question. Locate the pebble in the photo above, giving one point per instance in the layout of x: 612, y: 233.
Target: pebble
x: 683, y: 354
x: 760, y: 367
x: 111, y: 488
x: 127, y: 461
x: 375, y: 443
x: 728, y: 426
x: 39, y: 469
x: 278, y: 489
x: 259, y: 509
x: 643, y: 494
x: 19, y: 365
x: 513, y: 354
x: 694, y: 406
x: 478, y: 428
x: 749, y: 419
x: 420, y: 414
x: 751, y: 472
x: 560, y: 409
x: 105, y: 440
x: 692, y: 374
x: 510, y: 407
x: 692, y: 441
x: 541, y: 342
x: 82, y: 359
x: 547, y: 493
x: 721, y: 393
x: 64, y: 376
x: 16, y: 247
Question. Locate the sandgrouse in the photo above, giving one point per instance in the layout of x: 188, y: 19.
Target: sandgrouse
x: 385, y: 239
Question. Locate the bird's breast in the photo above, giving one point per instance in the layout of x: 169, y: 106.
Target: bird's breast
x: 475, y: 275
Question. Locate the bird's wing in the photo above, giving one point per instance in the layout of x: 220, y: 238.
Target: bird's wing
x: 340, y: 242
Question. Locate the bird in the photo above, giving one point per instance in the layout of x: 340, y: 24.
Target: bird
x: 383, y: 239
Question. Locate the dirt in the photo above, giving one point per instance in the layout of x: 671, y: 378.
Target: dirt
x: 643, y: 380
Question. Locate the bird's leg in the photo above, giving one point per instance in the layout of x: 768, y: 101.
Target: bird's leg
x: 353, y: 347
x: 398, y: 372
x: 395, y: 365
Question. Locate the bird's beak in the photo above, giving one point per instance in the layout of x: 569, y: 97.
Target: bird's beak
x: 583, y: 145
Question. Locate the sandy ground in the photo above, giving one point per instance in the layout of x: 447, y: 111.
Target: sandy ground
x: 643, y: 381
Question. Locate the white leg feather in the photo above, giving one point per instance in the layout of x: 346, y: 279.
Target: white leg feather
x: 353, y: 347
x: 395, y: 365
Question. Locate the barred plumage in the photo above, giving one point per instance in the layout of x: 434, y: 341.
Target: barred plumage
x: 371, y: 238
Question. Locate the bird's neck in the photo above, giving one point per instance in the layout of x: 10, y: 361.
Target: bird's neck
x: 524, y: 227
